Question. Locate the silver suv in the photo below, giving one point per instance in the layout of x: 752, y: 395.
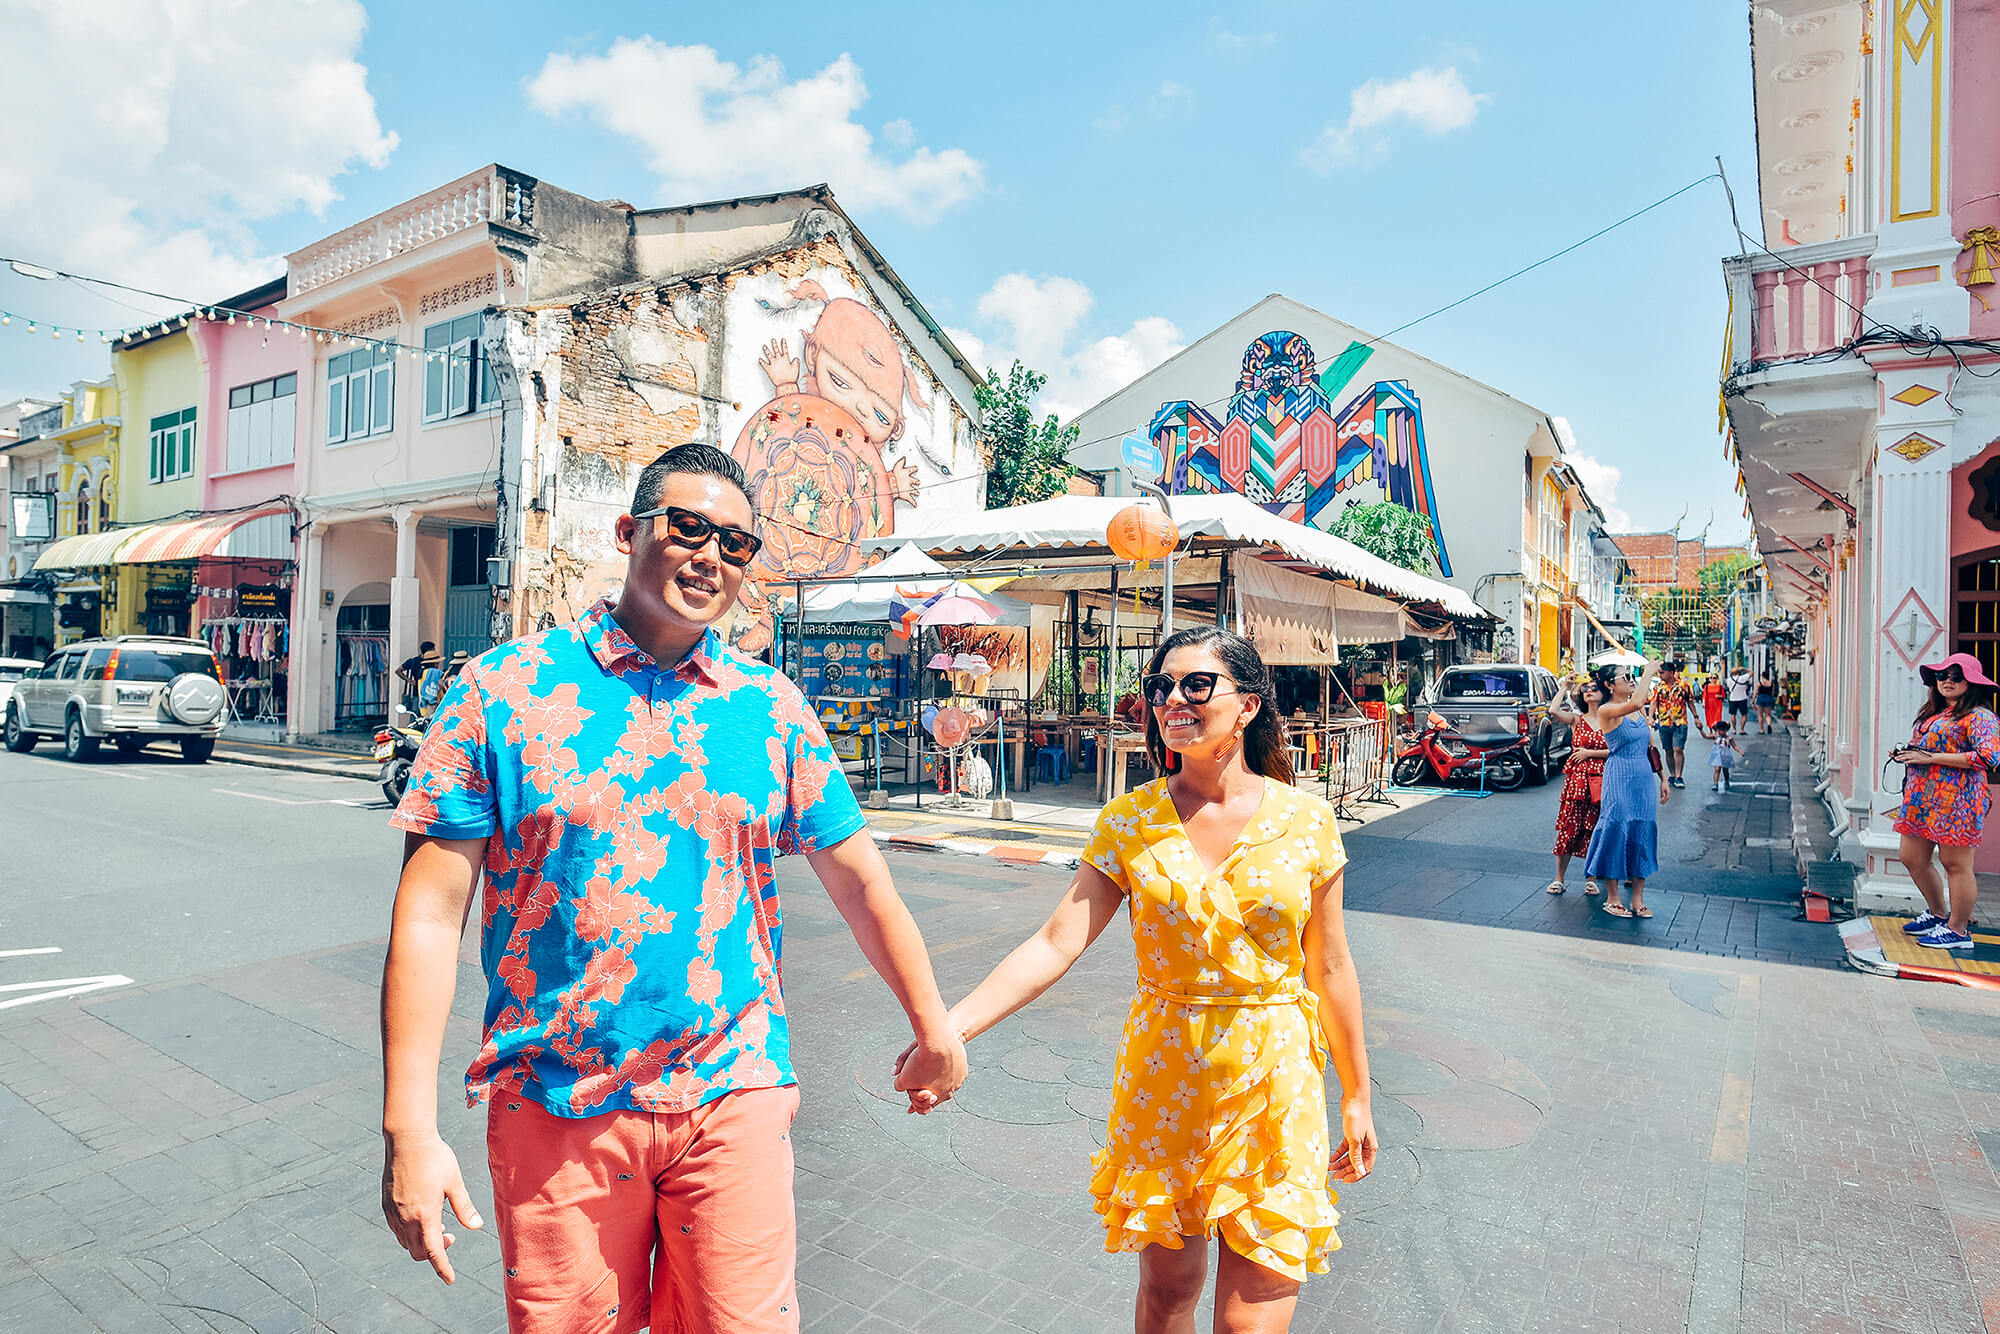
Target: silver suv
x: 130, y: 690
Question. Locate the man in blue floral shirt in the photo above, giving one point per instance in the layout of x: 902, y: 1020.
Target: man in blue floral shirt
x: 626, y: 783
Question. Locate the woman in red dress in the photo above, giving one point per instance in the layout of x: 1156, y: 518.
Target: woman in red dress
x: 1576, y: 817
x: 1712, y: 696
x: 1953, y: 746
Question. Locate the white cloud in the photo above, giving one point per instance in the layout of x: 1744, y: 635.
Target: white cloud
x: 1114, y: 119
x: 900, y: 133
x: 1435, y: 100
x: 149, y: 137
x: 1036, y: 321
x: 1600, y: 481
x: 712, y: 129
x: 1235, y: 41
x: 1172, y: 98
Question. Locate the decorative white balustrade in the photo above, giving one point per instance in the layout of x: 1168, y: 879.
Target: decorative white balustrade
x: 490, y: 195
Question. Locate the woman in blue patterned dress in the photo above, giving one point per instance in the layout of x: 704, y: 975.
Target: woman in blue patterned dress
x: 1626, y: 843
x: 1955, y: 742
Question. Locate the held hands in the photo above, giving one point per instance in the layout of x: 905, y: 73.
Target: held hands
x: 419, y: 1175
x: 1354, y: 1157
x: 931, y: 1069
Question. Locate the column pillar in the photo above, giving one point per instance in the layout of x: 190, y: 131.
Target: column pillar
x: 1909, y: 536
x: 404, y: 630
x: 310, y: 642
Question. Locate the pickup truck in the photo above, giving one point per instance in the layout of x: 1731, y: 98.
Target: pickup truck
x: 1488, y: 703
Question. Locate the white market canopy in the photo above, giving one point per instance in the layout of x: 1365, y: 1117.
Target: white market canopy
x: 870, y: 595
x: 1206, y: 523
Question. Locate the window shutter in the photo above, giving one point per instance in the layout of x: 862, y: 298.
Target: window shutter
x: 336, y: 407
x: 239, y: 437
x: 284, y: 426
x: 384, y: 391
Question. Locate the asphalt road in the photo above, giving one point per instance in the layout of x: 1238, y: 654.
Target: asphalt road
x: 1587, y: 1125
x: 155, y: 869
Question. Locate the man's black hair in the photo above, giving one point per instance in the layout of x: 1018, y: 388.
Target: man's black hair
x: 426, y: 646
x: 703, y: 460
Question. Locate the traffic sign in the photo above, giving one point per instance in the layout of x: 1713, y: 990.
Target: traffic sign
x: 1141, y: 457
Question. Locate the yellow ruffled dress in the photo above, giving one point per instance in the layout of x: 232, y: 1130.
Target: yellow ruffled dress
x: 1218, y: 1111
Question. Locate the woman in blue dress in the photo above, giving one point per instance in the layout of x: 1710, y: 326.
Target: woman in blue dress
x: 1626, y: 843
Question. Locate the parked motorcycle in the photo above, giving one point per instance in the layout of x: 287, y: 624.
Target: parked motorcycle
x: 396, y: 749
x: 1447, y: 758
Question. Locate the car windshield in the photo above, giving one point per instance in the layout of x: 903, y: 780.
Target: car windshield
x: 162, y: 664
x: 11, y: 673
x: 1483, y: 685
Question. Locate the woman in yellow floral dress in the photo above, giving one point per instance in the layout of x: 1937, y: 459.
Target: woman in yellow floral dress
x: 1232, y: 879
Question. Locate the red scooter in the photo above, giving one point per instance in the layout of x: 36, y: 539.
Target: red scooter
x: 1442, y: 755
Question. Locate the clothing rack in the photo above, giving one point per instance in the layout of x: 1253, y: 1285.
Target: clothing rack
x: 364, y: 678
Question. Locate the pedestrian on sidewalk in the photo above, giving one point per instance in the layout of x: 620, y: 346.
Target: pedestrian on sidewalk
x: 1767, y: 699
x: 1741, y: 683
x: 1712, y: 697
x: 625, y: 782
x: 1669, y: 708
x: 1583, y: 777
x: 1722, y: 756
x: 1218, y: 1126
x: 1953, y: 746
x: 1625, y: 845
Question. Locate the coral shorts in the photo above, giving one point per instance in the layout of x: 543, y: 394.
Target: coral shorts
x: 681, y: 1222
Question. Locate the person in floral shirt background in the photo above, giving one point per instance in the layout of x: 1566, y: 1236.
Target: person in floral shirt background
x: 625, y: 783
x: 1672, y: 698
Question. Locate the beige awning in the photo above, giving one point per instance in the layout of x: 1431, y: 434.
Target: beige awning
x: 1297, y: 620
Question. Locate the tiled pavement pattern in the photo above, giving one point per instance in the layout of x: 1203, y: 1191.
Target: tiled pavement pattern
x: 1579, y: 1135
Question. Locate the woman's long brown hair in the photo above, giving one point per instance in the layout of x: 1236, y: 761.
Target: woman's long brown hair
x: 1264, y: 747
x: 1974, y: 696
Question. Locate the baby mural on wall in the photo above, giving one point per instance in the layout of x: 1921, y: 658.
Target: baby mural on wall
x: 815, y: 452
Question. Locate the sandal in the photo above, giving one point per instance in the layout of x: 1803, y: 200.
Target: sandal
x: 1617, y: 910
x: 1591, y: 888
x: 1642, y: 911
x: 1555, y: 887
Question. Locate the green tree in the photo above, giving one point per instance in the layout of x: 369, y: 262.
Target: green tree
x: 1721, y: 576
x: 1027, y: 460
x: 1390, y: 531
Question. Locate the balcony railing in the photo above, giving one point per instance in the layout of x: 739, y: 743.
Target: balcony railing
x: 492, y: 194
x: 1801, y: 301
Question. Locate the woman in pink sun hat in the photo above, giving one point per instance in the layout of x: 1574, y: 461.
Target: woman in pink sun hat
x: 1955, y: 742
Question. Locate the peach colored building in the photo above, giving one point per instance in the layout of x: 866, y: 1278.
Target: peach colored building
x: 1861, y: 391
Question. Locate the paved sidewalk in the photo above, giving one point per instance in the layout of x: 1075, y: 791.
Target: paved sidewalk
x: 1580, y: 1135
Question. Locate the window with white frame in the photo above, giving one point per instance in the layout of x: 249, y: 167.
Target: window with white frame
x: 262, y: 422
x: 458, y: 377
x: 361, y: 393
x: 170, y: 452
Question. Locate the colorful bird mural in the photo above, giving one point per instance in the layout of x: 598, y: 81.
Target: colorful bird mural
x: 1282, y: 445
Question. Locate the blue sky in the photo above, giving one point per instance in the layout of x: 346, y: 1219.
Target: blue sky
x: 1089, y: 186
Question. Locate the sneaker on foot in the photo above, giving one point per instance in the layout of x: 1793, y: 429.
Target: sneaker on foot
x: 1925, y: 923
x: 1944, y: 938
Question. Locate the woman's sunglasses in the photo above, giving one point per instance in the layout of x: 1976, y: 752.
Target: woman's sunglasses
x: 1931, y: 676
x: 687, y: 529
x: 1196, y: 687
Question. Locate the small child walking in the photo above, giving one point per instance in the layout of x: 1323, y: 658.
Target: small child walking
x: 1722, y: 756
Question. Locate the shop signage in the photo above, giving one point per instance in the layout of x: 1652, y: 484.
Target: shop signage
x: 1141, y: 457
x: 262, y: 599
x: 34, y: 516
x: 166, y: 599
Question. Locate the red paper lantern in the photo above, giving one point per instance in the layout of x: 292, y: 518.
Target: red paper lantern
x: 1142, y: 533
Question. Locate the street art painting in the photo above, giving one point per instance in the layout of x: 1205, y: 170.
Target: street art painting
x: 1282, y: 443
x: 846, y: 433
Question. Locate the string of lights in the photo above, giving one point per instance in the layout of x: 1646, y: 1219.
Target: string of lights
x: 191, y: 313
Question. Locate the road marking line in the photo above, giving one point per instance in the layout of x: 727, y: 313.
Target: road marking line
x: 64, y: 986
x: 1716, y: 1302
x: 39, y: 949
x: 103, y: 771
x: 261, y: 796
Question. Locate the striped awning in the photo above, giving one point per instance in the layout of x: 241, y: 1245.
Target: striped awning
x: 88, y: 549
x: 263, y: 533
x: 259, y: 534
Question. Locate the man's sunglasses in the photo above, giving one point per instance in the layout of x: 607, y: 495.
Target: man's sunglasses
x: 1931, y: 676
x: 1196, y: 687
x: 685, y: 528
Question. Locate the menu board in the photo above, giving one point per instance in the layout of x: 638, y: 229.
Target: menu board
x: 848, y: 659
